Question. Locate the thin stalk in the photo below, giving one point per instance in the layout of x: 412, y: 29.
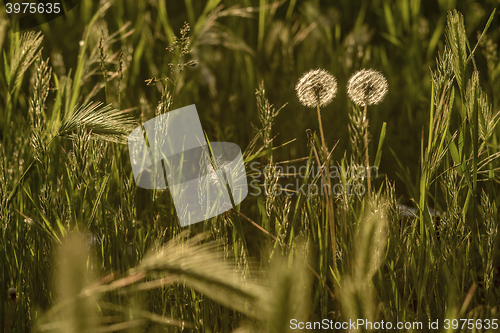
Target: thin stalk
x: 322, y: 176
x: 104, y: 69
x: 327, y: 196
x: 365, y: 125
x: 120, y: 78
x: 8, y: 111
x: 475, y: 152
x: 329, y: 202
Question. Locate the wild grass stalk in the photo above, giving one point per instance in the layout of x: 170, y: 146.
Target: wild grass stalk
x: 103, y: 123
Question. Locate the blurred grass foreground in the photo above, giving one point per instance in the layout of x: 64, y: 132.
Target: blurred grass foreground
x: 308, y: 89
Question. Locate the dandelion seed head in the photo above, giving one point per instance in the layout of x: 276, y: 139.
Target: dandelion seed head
x: 316, y: 88
x: 367, y: 87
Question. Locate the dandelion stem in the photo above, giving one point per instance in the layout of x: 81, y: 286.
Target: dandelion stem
x: 329, y: 202
x: 325, y: 150
x: 365, y: 125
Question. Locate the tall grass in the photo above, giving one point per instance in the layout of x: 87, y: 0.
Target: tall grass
x: 77, y: 236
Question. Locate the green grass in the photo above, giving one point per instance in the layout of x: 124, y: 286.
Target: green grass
x: 88, y: 250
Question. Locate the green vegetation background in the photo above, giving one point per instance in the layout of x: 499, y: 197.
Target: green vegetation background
x: 237, y: 45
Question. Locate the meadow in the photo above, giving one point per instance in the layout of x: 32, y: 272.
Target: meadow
x: 314, y: 93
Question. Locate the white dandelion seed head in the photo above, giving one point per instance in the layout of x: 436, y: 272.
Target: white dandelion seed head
x: 367, y: 87
x: 316, y: 88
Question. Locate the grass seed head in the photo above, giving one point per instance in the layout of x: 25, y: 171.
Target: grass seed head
x: 316, y: 88
x: 367, y: 87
